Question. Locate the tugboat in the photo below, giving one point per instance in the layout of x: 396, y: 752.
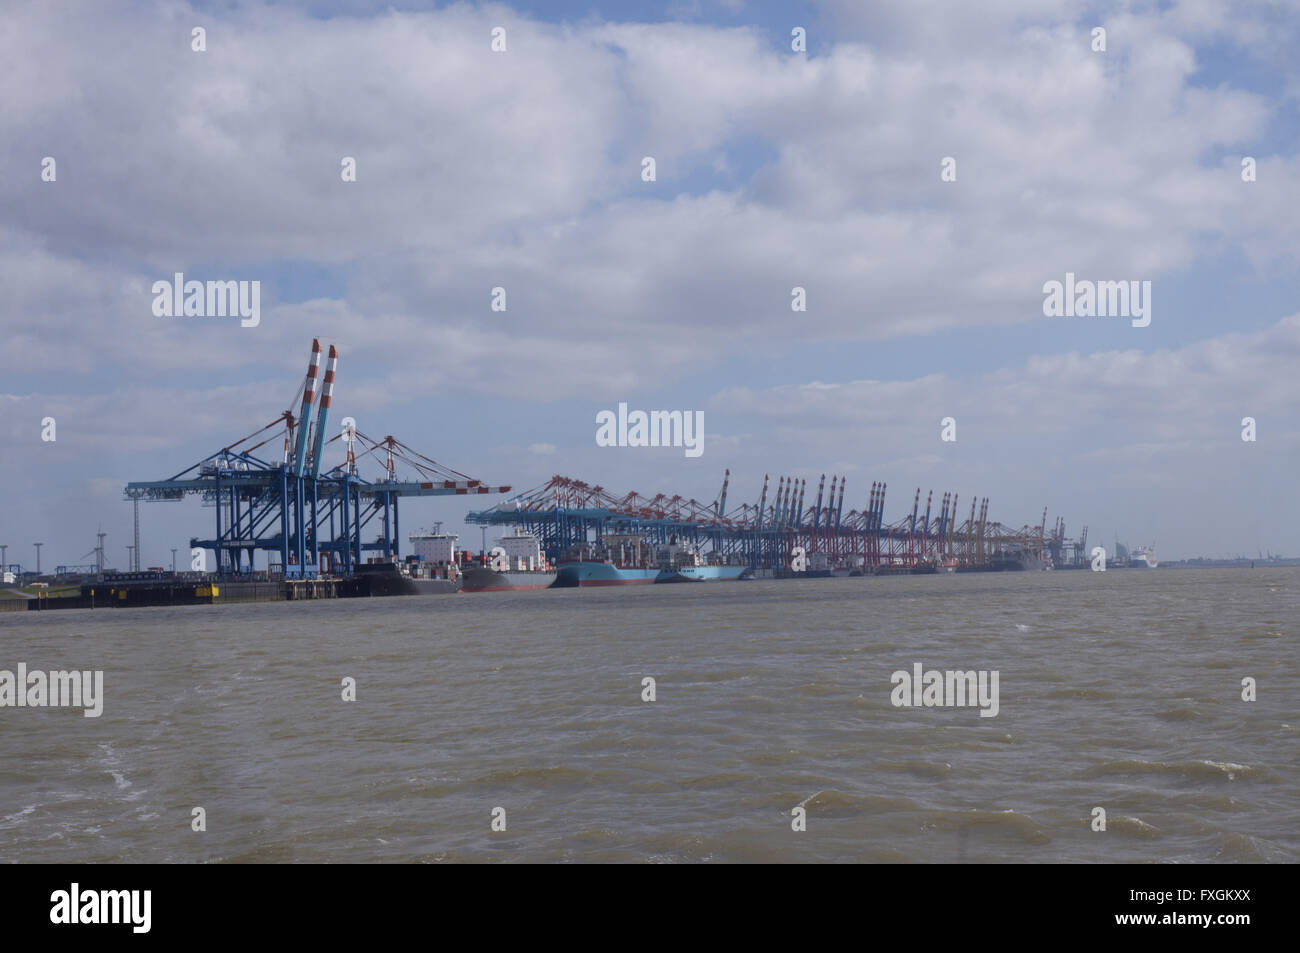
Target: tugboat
x: 516, y: 562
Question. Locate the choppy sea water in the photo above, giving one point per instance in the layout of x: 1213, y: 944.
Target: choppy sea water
x: 1119, y: 690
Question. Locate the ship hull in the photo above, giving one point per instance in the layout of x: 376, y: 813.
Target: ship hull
x: 584, y: 574
x: 435, y: 587
x: 385, y: 579
x: 480, y: 579
x: 701, y: 574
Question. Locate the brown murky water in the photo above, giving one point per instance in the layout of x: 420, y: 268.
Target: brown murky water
x: 1120, y: 690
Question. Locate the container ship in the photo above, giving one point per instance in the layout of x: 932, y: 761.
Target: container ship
x: 615, y: 560
x: 386, y: 578
x: 821, y: 566
x: 431, y: 569
x: 683, y: 563
x: 516, y: 562
x: 1010, y: 560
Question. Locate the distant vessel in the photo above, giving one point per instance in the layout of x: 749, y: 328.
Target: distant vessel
x: 821, y: 566
x: 389, y: 579
x: 705, y: 573
x: 1143, y: 558
x: 680, y: 562
x: 487, y: 579
x: 1010, y: 560
x: 431, y: 569
x: 516, y: 562
x: 614, y: 560
x: 587, y: 572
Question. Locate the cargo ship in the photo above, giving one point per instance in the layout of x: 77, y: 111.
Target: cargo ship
x: 487, y: 579
x: 389, y: 579
x: 432, y: 569
x: 614, y: 560
x: 1011, y: 560
x: 705, y: 573
x: 820, y: 566
x: 683, y: 563
x: 435, y: 585
x: 516, y: 562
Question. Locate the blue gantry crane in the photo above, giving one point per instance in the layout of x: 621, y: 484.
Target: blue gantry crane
x: 314, y: 523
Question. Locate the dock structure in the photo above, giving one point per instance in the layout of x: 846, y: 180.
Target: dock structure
x: 312, y: 523
x: 565, y: 513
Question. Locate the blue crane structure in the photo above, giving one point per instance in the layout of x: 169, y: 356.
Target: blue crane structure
x: 316, y: 523
x: 566, y: 514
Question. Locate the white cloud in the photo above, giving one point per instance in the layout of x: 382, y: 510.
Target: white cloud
x: 521, y: 170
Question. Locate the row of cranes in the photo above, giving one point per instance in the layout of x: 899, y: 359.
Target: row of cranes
x: 312, y: 522
x: 565, y: 513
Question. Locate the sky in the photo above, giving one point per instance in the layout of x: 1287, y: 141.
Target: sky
x: 775, y: 169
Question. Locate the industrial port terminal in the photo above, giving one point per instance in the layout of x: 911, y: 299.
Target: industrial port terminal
x: 329, y: 533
